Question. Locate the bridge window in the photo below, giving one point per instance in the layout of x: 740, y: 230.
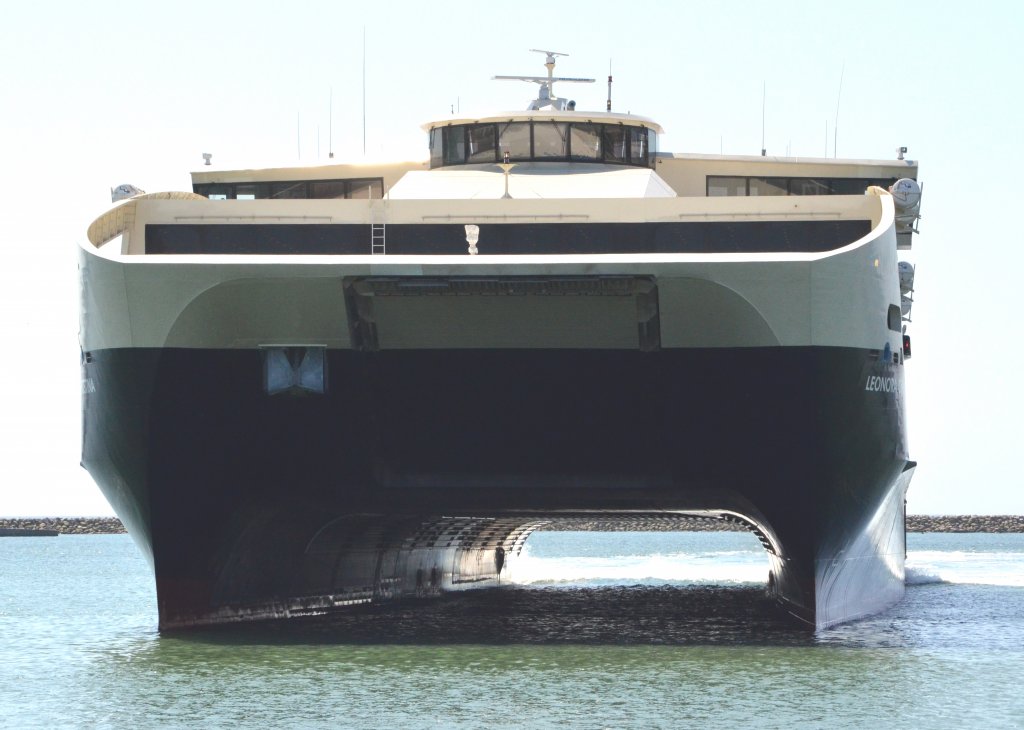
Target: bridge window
x: 585, y: 142
x: 639, y: 147
x: 515, y: 138
x: 482, y: 143
x: 455, y: 145
x: 619, y: 144
x: 436, y: 147
x: 550, y: 140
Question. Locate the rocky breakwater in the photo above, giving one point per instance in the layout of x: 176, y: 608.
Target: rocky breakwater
x: 965, y: 523
x: 49, y: 526
x: 915, y: 523
x: 652, y: 523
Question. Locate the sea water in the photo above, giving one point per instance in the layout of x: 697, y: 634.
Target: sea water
x: 595, y: 630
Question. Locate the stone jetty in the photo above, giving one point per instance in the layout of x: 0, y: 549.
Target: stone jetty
x: 915, y: 523
x: 60, y: 526
x: 965, y: 523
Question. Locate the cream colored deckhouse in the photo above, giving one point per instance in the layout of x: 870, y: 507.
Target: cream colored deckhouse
x: 311, y: 387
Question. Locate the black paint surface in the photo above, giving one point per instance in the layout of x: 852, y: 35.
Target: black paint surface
x: 508, y: 238
x: 230, y: 486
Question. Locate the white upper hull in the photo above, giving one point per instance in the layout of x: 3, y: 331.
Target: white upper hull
x: 834, y: 298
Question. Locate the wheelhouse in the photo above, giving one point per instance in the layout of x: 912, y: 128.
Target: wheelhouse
x: 616, y: 139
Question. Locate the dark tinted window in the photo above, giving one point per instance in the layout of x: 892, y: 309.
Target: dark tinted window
x: 483, y: 143
x: 616, y: 143
x: 328, y: 189
x: 514, y: 138
x: 638, y: 137
x: 454, y: 145
x: 215, y: 191
x: 585, y: 142
x: 288, y: 189
x: 895, y: 318
x: 550, y: 140
x: 769, y: 186
x: 721, y: 186
x: 809, y: 186
x: 436, y: 147
x: 364, y: 189
x: 251, y: 191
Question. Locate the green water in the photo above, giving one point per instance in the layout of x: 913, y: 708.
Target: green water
x: 78, y: 647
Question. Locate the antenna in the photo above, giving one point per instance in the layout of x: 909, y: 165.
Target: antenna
x: 609, y: 84
x: 298, y: 134
x: 835, y: 129
x: 364, y: 91
x: 330, y: 125
x: 764, y: 96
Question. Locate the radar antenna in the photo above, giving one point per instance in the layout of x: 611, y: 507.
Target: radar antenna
x: 546, y: 95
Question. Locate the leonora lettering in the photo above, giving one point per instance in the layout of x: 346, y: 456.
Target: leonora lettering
x: 881, y: 385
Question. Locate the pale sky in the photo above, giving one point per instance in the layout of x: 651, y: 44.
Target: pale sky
x: 101, y: 93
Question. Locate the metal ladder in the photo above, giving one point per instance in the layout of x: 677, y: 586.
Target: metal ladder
x: 377, y: 239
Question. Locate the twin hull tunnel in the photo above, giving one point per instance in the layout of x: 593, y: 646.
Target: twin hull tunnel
x: 356, y: 560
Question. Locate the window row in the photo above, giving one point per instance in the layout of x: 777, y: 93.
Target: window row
x: 330, y: 189
x: 463, y: 144
x: 729, y: 185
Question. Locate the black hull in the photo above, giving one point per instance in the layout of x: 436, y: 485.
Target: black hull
x: 422, y: 471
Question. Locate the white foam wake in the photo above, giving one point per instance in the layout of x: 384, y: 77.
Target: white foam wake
x: 920, y: 577
x: 980, y: 568
x: 745, y: 567
x: 735, y: 567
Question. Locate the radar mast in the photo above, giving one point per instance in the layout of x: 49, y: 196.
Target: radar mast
x: 546, y: 95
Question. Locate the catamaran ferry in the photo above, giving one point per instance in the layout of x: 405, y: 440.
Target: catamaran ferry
x: 306, y: 388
